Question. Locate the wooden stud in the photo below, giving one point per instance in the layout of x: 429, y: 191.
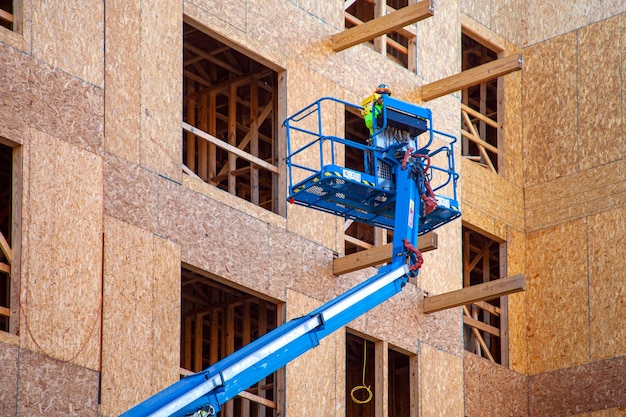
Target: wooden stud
x: 378, y: 255
x: 381, y: 378
x: 481, y: 292
x: 6, y: 249
x: 383, y: 25
x: 197, y: 347
x: 471, y: 77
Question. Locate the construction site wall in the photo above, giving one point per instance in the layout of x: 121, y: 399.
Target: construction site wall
x: 91, y: 100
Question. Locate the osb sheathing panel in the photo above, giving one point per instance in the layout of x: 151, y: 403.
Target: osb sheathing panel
x: 613, y: 412
x: 141, y: 312
x: 607, y: 284
x: 36, y: 95
x: 329, y: 11
x: 311, y: 389
x: 490, y: 198
x: 439, y: 43
x: 400, y: 321
x: 123, y: 78
x: 440, y: 383
x: 601, y: 131
x: 306, y: 86
x: 547, y: 19
x: 70, y: 36
x: 61, y: 282
x: 492, y: 390
x: 54, y: 388
x: 592, y: 387
x: 594, y: 190
x: 606, y: 8
x: 8, y: 379
x: 549, y: 91
x: 557, y: 290
x: 517, y: 303
x: 443, y: 268
x: 161, y: 87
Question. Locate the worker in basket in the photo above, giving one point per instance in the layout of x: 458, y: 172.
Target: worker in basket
x: 374, y: 111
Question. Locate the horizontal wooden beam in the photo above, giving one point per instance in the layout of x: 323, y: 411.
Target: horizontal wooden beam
x: 6, y: 249
x: 378, y: 255
x: 481, y: 292
x: 382, y: 25
x: 5, y: 312
x: 230, y: 148
x: 471, y: 77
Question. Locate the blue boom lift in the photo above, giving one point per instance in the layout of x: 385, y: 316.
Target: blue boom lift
x: 404, y: 189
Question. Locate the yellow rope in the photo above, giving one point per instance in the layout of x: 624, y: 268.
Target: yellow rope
x: 360, y: 387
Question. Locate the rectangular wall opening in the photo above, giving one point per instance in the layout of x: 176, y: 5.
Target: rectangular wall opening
x: 6, y: 213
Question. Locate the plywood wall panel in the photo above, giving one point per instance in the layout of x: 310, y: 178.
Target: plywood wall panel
x: 601, y: 132
x: 507, y: 20
x: 131, y: 193
x: 140, y: 315
x: 545, y: 20
x: 66, y: 37
x: 602, y: 9
x: 161, y: 88
x: 593, y: 387
x: 311, y: 389
x: 54, y: 388
x: 123, y: 74
x: 61, y: 291
x: 35, y: 95
x: 607, y: 284
x: 557, y: 290
x: 549, y: 78
x: 492, y: 390
x: 8, y: 379
x: 594, y: 190
x: 517, y: 303
x: 437, y: 36
x: 440, y: 383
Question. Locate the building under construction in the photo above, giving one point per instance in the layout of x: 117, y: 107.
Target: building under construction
x: 146, y: 230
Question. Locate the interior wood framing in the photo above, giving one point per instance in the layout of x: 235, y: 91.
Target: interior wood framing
x: 11, y: 15
x: 230, y: 115
x: 382, y: 24
x: 398, y: 45
x: 7, y: 188
x: 217, y: 320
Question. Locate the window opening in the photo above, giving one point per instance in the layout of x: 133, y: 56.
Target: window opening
x: 6, y: 210
x: 232, y: 100
x: 479, y: 108
x: 484, y: 321
x: 217, y: 320
x: 399, y: 385
x: 360, y: 377
x: 399, y: 46
x: 11, y: 15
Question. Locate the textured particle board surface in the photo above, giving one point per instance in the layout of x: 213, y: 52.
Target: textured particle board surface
x: 547, y: 19
x: 557, y: 295
x: 61, y: 284
x: 576, y: 196
x: 606, y: 8
x: 490, y: 198
x: 549, y: 82
x: 517, y: 304
x: 442, y: 270
x: 123, y: 74
x: 320, y: 387
x: 21, y: 41
x: 36, y: 95
x: 161, y: 87
x: 66, y: 37
x: 8, y: 379
x: 440, y: 383
x: 607, y: 284
x: 492, y: 390
x: 53, y: 388
x: 601, y: 132
x: 140, y: 315
x: 592, y: 387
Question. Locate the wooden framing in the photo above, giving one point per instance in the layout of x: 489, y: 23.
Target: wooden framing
x: 481, y: 292
x: 382, y: 25
x: 230, y: 122
x: 465, y: 79
x: 378, y: 255
x: 13, y: 16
